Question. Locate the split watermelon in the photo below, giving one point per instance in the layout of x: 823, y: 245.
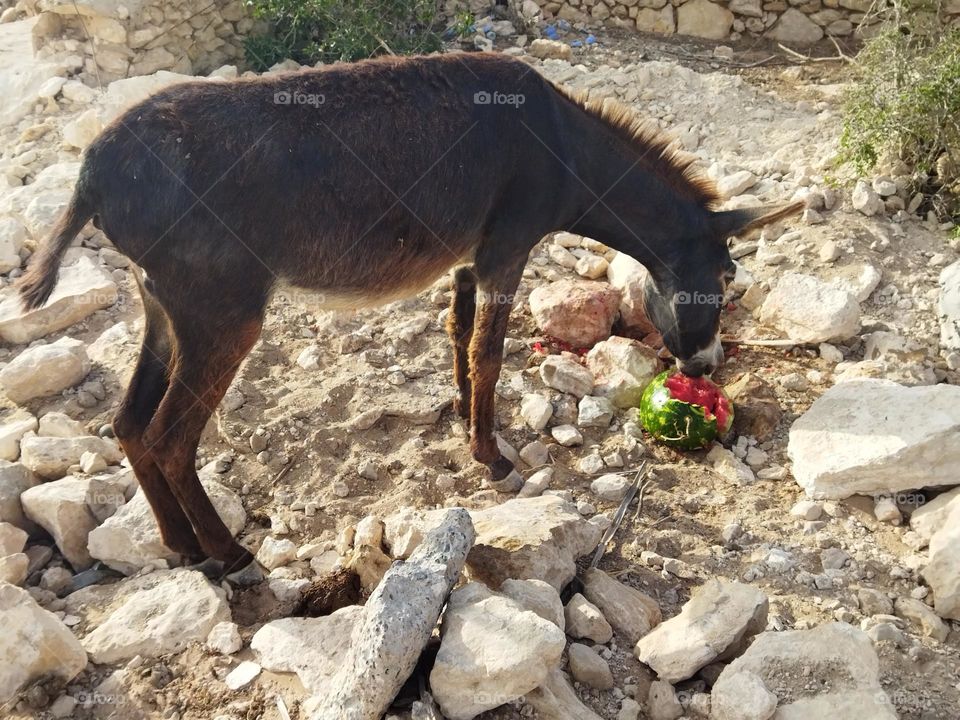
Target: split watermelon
x: 685, y: 412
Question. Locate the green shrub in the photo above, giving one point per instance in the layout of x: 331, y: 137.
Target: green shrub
x: 905, y: 102
x: 329, y: 30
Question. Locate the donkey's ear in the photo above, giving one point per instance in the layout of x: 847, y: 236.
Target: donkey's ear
x: 740, y: 222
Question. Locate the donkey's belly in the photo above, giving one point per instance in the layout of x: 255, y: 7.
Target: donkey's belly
x: 392, y: 287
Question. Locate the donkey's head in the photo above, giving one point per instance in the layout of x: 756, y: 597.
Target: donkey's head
x: 685, y: 299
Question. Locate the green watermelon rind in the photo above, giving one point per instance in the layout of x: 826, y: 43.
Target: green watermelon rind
x: 675, y: 422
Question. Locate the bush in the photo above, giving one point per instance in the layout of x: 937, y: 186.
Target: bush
x: 905, y: 104
x: 309, y: 31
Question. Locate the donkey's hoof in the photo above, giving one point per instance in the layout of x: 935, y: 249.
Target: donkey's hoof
x: 503, y: 476
x: 210, y: 567
x: 247, y: 576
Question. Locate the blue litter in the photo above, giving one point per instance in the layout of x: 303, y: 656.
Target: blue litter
x: 563, y: 25
x: 590, y: 40
x: 550, y: 32
x: 576, y: 43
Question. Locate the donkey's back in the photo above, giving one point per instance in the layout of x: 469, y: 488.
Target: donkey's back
x: 357, y: 180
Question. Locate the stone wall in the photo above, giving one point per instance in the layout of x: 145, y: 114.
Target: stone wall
x: 795, y: 22
x: 140, y: 37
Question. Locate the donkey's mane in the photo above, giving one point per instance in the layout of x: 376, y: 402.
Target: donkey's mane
x: 660, y: 153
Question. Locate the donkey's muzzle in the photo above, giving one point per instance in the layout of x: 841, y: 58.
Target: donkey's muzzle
x: 704, y: 361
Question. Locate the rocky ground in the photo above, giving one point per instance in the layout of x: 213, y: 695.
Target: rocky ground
x: 824, y: 529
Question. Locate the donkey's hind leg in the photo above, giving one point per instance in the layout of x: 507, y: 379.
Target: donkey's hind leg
x: 147, y: 387
x: 211, y: 345
x: 463, y: 307
x: 497, y: 285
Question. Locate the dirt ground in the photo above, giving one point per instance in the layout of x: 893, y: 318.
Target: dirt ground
x: 319, y: 429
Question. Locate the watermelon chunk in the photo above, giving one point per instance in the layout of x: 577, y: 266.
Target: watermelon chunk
x: 685, y: 412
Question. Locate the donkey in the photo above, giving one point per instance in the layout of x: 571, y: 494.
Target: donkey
x: 364, y: 183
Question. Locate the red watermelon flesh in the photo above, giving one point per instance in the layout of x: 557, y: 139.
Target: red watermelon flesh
x: 703, y: 392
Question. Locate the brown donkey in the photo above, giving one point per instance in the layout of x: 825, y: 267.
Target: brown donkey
x: 366, y: 182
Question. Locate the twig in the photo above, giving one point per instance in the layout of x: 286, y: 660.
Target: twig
x: 620, y: 514
x: 282, y: 708
x: 762, y: 342
x: 808, y: 58
x: 93, y: 50
x: 840, y: 52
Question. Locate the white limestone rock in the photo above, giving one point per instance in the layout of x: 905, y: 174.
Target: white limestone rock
x: 45, y: 370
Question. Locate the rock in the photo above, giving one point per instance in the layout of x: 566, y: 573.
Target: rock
x: 622, y: 368
x: 15, y: 426
x: 744, y: 697
x: 12, y: 237
x: 83, y: 129
x: 536, y: 596
x: 370, y: 564
x: 491, y: 652
x: 873, y: 437
x: 860, y: 280
x: 123, y: 94
x: 584, y: 620
x: 555, y: 699
x: 726, y: 464
x: 662, y: 703
x: 566, y: 435
x: 795, y: 27
x: 399, y: 618
x: 630, y: 278
x: 41, y: 647
x: 61, y: 508
x: 539, y: 538
x: 52, y: 457
x: 130, y: 539
x: 931, y: 516
x: 629, y: 611
x: 537, y: 483
x: 550, y: 49
x: 656, y: 21
x: 224, y: 638
x: 807, y: 510
x: 865, y: 199
x: 948, y: 307
x: 874, y: 602
x: 736, y: 184
x: 702, y: 18
x: 274, y: 553
x: 12, y: 539
x: 808, y: 310
x: 942, y: 573
x: 313, y: 648
x: 579, y: 312
x: 611, y: 487
x: 15, y: 479
x: 83, y: 289
x: 536, y: 411
x: 837, y: 658
x: 45, y: 370
x: 242, y: 675
x: 716, y: 621
x: 588, y: 667
x: 922, y: 618
x: 151, y: 615
x: 534, y: 454
x: 595, y: 412
x: 14, y: 568
x: 563, y: 374
x: 591, y: 267
x: 629, y: 709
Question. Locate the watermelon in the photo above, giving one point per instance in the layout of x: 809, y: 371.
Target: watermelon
x: 685, y: 412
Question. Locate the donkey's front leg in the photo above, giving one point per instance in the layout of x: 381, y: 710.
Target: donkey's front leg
x: 463, y: 308
x: 494, y: 301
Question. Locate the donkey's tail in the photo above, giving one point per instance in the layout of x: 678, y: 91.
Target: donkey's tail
x: 42, y: 274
